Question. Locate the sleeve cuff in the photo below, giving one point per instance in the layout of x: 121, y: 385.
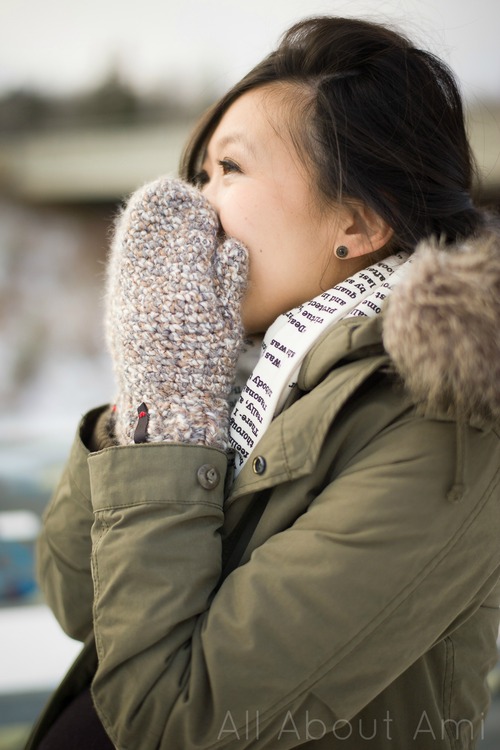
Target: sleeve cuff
x: 94, y: 431
x: 167, y: 473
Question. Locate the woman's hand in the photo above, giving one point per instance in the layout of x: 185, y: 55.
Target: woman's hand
x: 173, y: 321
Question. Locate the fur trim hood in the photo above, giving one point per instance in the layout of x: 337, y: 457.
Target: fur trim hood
x: 442, y: 328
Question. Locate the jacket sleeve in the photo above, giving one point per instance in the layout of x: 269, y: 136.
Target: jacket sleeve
x: 321, y: 618
x: 63, y: 548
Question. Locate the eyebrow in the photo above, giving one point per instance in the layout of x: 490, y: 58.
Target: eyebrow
x: 229, y: 140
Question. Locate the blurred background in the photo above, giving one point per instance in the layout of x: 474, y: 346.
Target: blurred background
x: 95, y: 99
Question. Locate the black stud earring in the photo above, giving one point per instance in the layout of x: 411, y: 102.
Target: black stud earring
x: 342, y: 251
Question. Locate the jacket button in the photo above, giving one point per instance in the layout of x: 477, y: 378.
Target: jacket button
x: 259, y: 465
x: 208, y: 476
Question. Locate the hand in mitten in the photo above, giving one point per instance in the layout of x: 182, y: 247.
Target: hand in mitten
x: 173, y: 320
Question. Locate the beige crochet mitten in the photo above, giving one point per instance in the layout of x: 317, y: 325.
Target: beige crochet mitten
x: 173, y: 321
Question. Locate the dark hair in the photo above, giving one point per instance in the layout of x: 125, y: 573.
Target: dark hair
x: 379, y: 121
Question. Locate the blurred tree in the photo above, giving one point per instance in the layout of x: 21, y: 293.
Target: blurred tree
x: 114, y: 102
x: 23, y: 110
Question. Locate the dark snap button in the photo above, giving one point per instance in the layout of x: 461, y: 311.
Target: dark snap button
x: 208, y: 476
x: 259, y: 465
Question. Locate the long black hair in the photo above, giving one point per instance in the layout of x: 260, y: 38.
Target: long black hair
x: 377, y: 120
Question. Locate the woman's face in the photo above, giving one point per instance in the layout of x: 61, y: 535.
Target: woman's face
x: 265, y: 198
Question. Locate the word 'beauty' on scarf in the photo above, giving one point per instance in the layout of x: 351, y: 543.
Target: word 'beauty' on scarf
x: 291, y: 336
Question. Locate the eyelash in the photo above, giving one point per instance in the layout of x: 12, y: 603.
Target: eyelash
x: 227, y: 165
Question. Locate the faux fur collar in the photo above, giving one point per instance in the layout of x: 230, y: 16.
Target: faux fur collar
x: 442, y: 328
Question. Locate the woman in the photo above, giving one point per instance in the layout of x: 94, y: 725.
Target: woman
x: 320, y: 565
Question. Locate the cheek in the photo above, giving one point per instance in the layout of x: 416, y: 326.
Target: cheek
x: 242, y: 218
x: 265, y: 275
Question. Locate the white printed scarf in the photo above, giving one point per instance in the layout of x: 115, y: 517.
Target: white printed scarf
x: 291, y: 336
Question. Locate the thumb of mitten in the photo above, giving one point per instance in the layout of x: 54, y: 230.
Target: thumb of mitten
x: 230, y: 269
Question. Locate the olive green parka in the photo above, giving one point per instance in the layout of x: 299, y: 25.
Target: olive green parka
x: 364, y: 610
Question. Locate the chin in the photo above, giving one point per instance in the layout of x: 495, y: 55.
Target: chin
x: 254, y: 330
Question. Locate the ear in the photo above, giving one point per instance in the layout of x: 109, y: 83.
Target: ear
x: 362, y: 230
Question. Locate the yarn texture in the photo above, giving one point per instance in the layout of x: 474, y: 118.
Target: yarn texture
x: 172, y: 319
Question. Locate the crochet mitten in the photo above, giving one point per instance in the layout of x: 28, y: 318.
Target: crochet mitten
x: 173, y: 322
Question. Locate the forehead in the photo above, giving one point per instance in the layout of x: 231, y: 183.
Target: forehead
x: 253, y: 119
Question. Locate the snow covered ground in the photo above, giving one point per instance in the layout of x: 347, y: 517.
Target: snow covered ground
x: 53, y: 368
x: 34, y: 652
x: 54, y: 364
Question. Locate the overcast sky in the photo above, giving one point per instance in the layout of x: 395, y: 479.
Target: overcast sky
x: 67, y: 45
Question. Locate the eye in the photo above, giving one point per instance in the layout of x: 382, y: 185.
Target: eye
x: 200, y: 179
x: 228, y: 166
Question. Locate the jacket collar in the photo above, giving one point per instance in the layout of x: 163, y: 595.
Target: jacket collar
x: 349, y: 340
